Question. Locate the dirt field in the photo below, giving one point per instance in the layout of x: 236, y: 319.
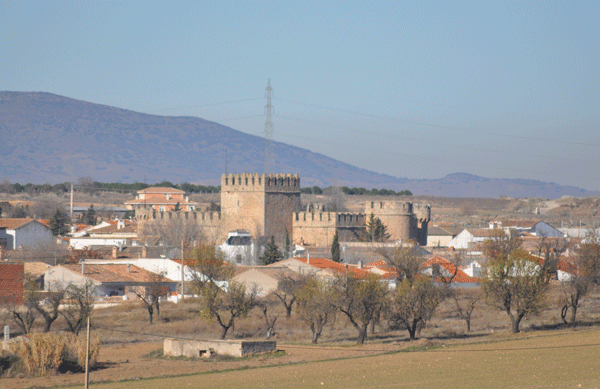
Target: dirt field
x: 541, y: 359
x: 130, y: 362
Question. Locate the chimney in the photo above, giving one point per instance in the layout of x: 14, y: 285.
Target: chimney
x: 115, y: 250
x: 128, y: 267
x: 360, y: 264
x: 83, y: 266
x: 144, y: 252
x: 307, y: 257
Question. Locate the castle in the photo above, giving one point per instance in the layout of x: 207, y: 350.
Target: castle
x: 269, y: 205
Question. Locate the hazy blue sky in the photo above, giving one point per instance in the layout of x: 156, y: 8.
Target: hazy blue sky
x: 411, y: 89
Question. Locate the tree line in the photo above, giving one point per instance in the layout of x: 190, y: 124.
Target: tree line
x: 354, y: 191
x: 88, y: 185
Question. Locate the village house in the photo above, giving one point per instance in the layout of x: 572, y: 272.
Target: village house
x: 263, y: 279
x: 441, y: 236
x: 240, y: 248
x: 108, y: 279
x: 161, y: 200
x: 537, y: 228
x: 444, y: 271
x: 23, y: 233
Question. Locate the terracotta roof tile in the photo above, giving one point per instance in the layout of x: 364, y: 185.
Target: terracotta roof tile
x: 13, y: 223
x: 116, y: 273
x: 460, y: 276
x: 161, y: 200
x: 323, y: 263
x: 158, y: 189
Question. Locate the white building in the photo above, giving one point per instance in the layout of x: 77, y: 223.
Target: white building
x: 240, y: 249
x: 25, y: 233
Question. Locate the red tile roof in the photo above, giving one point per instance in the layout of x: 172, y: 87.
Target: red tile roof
x: 158, y: 189
x: 327, y: 264
x: 460, y: 276
x: 161, y: 200
x: 14, y: 223
x: 107, y: 273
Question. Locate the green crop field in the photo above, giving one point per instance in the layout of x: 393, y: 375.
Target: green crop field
x: 552, y: 359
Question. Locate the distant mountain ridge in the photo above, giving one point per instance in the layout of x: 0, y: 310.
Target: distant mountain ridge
x: 51, y: 138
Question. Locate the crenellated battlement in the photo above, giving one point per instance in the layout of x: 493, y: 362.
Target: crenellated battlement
x: 338, y: 219
x: 255, y: 182
x: 151, y: 214
x: 423, y: 212
x: 389, y: 207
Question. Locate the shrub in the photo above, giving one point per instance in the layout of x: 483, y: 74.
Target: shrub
x: 76, y: 349
x: 42, y: 353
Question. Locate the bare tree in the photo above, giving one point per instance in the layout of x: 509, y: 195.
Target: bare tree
x: 316, y: 305
x: 288, y: 289
x: 210, y: 267
x: 87, y: 185
x: 268, y: 305
x: 225, y: 306
x: 512, y: 281
x: 172, y: 232
x: 79, y: 305
x: 584, y: 269
x: 413, y: 303
x: 23, y: 314
x: 551, y: 250
x: 405, y: 259
x: 48, y: 303
x: 45, y: 206
x: 361, y: 300
x: 220, y: 298
x: 150, y: 294
x: 465, y: 302
x: 6, y: 187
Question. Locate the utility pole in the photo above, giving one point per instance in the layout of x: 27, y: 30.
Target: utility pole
x: 182, y: 272
x: 71, y: 220
x: 87, y: 355
x: 269, y: 130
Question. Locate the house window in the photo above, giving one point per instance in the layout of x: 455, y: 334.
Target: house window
x: 161, y: 208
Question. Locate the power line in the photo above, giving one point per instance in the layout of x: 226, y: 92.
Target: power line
x: 440, y: 126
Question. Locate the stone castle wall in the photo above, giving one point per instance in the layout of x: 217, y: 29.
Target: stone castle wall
x: 210, y: 223
x: 269, y: 205
x: 318, y: 228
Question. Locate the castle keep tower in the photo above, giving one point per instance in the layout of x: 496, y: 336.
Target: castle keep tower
x: 261, y: 204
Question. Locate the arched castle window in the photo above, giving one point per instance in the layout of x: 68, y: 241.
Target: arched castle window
x: 252, y: 180
x: 226, y: 181
x: 372, y: 204
x: 246, y: 180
